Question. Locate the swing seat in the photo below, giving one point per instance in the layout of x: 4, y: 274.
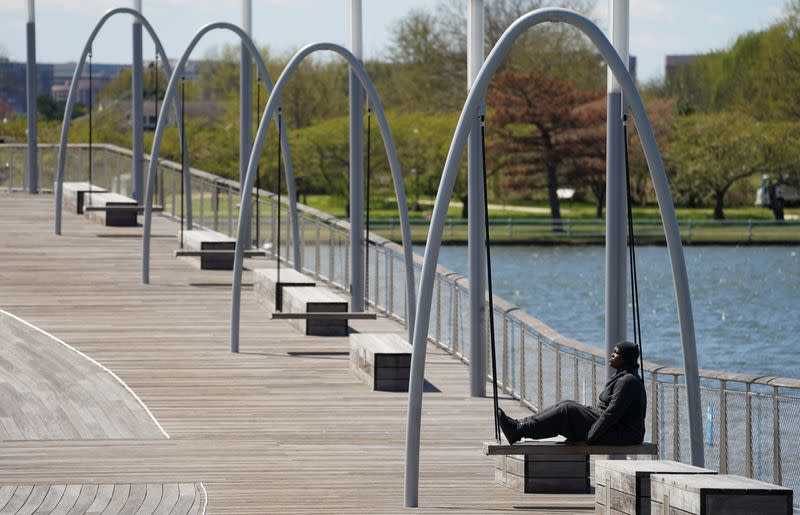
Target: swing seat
x: 112, y: 209
x: 215, y: 250
x: 74, y: 194
x: 553, y: 465
x: 269, y: 290
x: 317, y: 311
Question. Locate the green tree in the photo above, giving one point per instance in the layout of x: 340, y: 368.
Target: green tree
x: 711, y: 152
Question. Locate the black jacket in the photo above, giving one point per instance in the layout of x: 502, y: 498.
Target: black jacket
x: 623, y: 404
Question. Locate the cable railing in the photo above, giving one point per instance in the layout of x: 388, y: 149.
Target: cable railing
x: 749, y: 426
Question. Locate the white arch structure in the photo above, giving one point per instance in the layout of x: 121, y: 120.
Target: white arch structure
x: 169, y: 95
x: 73, y: 88
x: 667, y: 209
x: 394, y: 164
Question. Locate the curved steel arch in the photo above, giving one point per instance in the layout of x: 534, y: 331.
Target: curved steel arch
x: 449, y: 173
x: 62, y: 149
x: 159, y: 134
x: 394, y: 164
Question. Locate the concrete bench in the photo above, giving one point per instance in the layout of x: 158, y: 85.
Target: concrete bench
x: 687, y: 494
x: 265, y: 285
x: 112, y: 209
x: 383, y: 361
x: 316, y: 299
x: 623, y: 486
x: 553, y: 465
x: 74, y: 193
x: 196, y: 241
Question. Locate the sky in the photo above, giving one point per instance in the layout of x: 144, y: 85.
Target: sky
x: 658, y: 27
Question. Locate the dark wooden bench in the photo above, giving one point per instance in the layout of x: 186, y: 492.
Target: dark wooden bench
x: 690, y: 494
x: 383, y: 361
x: 623, y: 486
x: 553, y: 465
x: 269, y: 291
x: 75, y: 192
x: 112, y: 209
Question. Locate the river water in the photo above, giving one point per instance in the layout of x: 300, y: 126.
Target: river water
x: 746, y: 300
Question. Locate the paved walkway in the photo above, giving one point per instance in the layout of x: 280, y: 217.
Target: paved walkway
x: 282, y: 427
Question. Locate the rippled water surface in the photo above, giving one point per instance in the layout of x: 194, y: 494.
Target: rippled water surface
x: 746, y: 300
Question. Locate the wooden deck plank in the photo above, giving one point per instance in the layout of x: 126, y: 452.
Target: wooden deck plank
x: 281, y: 427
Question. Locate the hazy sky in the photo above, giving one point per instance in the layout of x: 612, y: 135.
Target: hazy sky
x: 658, y: 27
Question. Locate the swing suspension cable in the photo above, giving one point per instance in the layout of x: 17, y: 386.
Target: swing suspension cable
x: 258, y: 178
x: 278, y: 192
x: 637, y: 321
x: 91, y: 167
x: 366, y: 231
x: 183, y: 148
x: 489, y: 279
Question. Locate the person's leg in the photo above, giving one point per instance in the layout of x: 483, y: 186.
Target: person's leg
x: 566, y: 418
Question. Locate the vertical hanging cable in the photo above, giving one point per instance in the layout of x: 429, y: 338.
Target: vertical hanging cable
x: 91, y: 167
x: 258, y: 176
x: 278, y: 191
x: 637, y: 324
x: 183, y: 148
x: 366, y: 237
x: 489, y: 278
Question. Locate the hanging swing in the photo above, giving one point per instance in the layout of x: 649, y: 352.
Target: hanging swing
x: 203, y: 252
x: 126, y: 208
x: 279, y: 314
x: 545, y: 447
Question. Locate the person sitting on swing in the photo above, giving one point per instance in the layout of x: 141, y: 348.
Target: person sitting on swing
x: 618, y: 418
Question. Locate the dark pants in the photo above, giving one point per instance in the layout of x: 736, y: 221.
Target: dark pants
x: 567, y: 418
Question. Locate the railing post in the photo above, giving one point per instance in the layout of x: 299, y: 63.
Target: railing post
x: 777, y: 477
x: 302, y: 242
x: 230, y: 211
x: 748, y: 442
x: 174, y: 179
x: 523, y: 390
x: 438, y: 320
x: 510, y: 233
x: 317, y: 251
x: 575, y: 385
x: 506, y: 381
x: 540, y: 393
x: 676, y: 426
x: 653, y: 407
x: 594, y: 381
x: 377, y: 289
x: 454, y: 332
x: 558, y: 371
x: 215, y: 207
x: 749, y: 229
x: 723, y: 428
x: 569, y: 228
x: 331, y: 269
x: 390, y: 302
x: 202, y: 203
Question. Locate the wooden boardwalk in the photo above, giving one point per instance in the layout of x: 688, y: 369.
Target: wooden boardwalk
x: 281, y: 427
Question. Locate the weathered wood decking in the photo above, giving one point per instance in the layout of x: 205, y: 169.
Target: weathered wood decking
x: 281, y: 427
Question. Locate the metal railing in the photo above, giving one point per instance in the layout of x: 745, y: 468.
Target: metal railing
x: 646, y: 230
x: 750, y: 421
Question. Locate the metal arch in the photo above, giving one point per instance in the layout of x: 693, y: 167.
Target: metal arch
x: 394, y: 164
x: 658, y: 175
x: 159, y: 134
x: 62, y: 151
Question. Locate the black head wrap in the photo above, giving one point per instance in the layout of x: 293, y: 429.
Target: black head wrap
x: 630, y: 354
